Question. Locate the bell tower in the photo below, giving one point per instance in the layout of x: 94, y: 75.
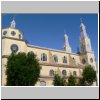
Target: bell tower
x: 85, y: 47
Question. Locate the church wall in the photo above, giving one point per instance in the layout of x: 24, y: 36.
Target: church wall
x: 6, y: 45
x: 38, y: 52
x: 3, y: 67
x: 49, y: 81
x: 46, y: 69
x: 84, y: 56
x: 51, y: 53
x: 91, y: 56
x: 74, y: 59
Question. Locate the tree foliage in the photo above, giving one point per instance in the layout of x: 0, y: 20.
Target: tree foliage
x: 89, y: 75
x: 71, y: 81
x: 22, y: 69
x: 59, y: 81
x: 81, y: 82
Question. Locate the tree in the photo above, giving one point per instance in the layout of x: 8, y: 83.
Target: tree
x: 89, y: 75
x: 81, y: 82
x: 71, y: 81
x: 22, y: 69
x: 59, y: 81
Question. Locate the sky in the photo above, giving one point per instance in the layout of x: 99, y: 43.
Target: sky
x: 47, y: 30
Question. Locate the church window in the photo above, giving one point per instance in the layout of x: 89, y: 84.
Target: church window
x: 74, y: 73
x: 42, y: 83
x: 55, y: 58
x: 64, y: 59
x: 91, y: 60
x: 5, y: 32
x: 64, y: 73
x: 13, y: 33
x: 51, y: 73
x: 83, y: 61
x: 43, y: 57
x: 14, y: 48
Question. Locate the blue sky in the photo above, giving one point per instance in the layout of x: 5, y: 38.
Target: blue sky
x: 47, y: 30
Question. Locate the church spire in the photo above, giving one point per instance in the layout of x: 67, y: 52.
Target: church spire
x: 85, y: 43
x: 66, y: 43
x: 13, y: 23
x: 83, y: 29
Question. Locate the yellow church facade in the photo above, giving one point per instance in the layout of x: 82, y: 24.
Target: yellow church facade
x: 52, y: 61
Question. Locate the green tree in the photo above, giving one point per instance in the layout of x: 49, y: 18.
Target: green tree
x: 71, y: 81
x: 22, y: 69
x: 59, y: 81
x: 89, y: 75
x: 81, y: 82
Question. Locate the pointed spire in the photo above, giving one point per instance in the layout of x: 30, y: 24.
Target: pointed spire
x: 83, y: 29
x: 13, y: 23
x: 66, y: 43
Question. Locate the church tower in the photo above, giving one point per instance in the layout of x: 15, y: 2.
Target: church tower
x: 12, y: 41
x: 12, y: 31
x: 87, y: 54
x: 85, y: 44
x: 67, y: 47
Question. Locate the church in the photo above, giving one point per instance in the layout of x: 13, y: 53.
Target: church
x: 63, y: 62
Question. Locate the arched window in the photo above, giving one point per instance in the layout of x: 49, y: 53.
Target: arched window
x: 55, y: 58
x: 83, y: 61
x: 51, y: 73
x: 65, y: 59
x: 42, y: 83
x: 74, y: 73
x: 43, y: 57
x: 64, y: 73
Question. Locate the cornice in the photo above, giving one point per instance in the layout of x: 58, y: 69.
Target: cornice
x: 4, y: 37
